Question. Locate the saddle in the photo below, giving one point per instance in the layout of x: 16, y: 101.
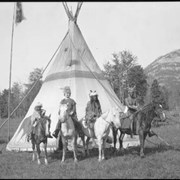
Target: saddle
x: 128, y: 121
x: 89, y: 123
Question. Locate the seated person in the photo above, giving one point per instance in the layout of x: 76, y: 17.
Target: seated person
x: 93, y: 109
x: 37, y: 114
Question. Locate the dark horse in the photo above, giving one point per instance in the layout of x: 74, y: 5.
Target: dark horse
x: 141, y: 125
x: 40, y: 136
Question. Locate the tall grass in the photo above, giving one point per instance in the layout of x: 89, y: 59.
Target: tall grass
x: 160, y: 162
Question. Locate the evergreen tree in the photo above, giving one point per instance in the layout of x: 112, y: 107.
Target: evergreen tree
x: 137, y: 78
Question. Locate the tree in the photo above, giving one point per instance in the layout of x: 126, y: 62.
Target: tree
x: 16, y: 97
x: 34, y: 77
x: 4, y: 103
x: 116, y: 73
x: 165, y: 97
x: 157, y: 93
x: 136, y: 77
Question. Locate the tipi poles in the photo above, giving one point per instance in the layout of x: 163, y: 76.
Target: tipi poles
x: 10, y: 72
x: 77, y: 10
x: 106, y: 90
x: 32, y: 86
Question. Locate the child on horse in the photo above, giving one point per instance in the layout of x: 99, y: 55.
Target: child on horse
x: 71, y: 110
x: 37, y: 114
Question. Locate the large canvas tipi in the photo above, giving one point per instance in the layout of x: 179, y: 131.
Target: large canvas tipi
x: 74, y: 66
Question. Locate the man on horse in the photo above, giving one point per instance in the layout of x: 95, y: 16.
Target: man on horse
x: 71, y: 110
x: 132, y: 105
x: 93, y: 110
x: 37, y: 114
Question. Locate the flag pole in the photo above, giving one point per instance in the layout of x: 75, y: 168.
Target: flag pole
x: 10, y: 72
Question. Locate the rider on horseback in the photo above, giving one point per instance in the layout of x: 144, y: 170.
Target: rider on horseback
x: 71, y: 109
x: 132, y: 106
x: 93, y: 110
x: 37, y: 114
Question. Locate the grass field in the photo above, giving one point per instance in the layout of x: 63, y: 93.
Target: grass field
x: 160, y: 162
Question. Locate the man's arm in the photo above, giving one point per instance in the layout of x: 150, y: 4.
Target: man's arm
x: 73, y: 111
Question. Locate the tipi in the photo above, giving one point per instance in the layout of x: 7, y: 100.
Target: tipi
x: 74, y: 66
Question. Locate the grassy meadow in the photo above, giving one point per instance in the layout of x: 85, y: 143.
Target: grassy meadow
x: 160, y: 162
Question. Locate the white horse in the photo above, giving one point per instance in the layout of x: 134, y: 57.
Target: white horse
x: 67, y: 131
x: 101, y: 129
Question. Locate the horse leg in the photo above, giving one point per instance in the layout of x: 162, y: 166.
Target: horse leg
x: 141, y: 139
x: 38, y: 153
x: 45, y: 152
x: 115, y: 138
x: 83, y: 141
x: 121, y: 141
x: 87, y: 145
x: 103, y: 148
x: 33, y: 147
x: 74, y: 146
x: 100, y: 142
x: 64, y: 149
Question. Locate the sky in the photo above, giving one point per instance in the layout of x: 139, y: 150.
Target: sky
x: 147, y: 29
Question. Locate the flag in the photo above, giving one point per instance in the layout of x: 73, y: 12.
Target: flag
x: 19, y: 13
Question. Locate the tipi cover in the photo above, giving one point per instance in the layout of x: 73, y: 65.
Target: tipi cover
x: 74, y: 66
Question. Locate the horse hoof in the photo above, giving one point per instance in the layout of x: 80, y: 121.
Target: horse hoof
x: 142, y: 156
x: 75, y: 160
x: 46, y: 163
x: 99, y: 160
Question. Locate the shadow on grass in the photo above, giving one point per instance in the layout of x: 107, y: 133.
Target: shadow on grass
x: 110, y: 154
x: 148, y: 151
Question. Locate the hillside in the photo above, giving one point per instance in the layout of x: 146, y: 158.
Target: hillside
x: 166, y: 69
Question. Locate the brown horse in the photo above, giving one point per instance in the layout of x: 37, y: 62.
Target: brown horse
x: 141, y: 125
x: 40, y: 136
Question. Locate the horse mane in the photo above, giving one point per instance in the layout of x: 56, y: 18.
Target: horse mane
x: 105, y: 114
x: 145, y: 109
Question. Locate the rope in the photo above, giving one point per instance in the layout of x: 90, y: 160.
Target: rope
x: 151, y: 142
x: 160, y: 139
x: 113, y: 98
x: 33, y: 84
x: 163, y: 140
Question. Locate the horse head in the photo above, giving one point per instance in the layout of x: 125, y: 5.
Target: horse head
x: 46, y: 121
x: 159, y: 111
x: 116, y: 117
x: 63, y: 115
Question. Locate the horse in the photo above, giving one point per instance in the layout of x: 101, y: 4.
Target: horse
x: 67, y: 132
x: 102, y: 127
x: 40, y: 136
x: 141, y: 125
